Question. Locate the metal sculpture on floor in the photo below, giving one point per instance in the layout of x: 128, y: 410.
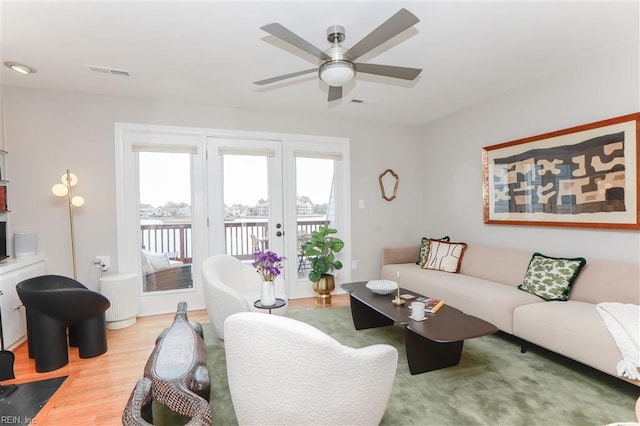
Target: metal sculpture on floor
x: 175, y: 375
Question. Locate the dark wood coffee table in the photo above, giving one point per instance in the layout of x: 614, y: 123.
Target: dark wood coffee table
x: 431, y: 344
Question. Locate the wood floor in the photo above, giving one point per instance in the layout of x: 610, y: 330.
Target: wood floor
x: 97, y: 389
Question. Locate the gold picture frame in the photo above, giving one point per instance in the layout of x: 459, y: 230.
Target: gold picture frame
x: 584, y: 176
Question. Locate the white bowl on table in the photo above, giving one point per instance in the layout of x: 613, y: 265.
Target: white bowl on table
x: 382, y: 286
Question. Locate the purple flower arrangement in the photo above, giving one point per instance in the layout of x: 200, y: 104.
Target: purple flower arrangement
x: 267, y: 264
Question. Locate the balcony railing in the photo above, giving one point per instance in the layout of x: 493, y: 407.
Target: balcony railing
x: 175, y: 238
x: 172, y: 238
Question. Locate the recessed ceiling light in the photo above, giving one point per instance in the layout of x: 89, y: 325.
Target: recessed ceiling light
x: 21, y: 68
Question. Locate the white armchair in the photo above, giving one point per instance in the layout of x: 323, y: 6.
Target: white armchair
x: 231, y: 286
x: 283, y: 371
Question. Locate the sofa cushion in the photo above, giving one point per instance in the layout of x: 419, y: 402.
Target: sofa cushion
x: 573, y: 329
x: 551, y: 278
x: 444, y: 256
x: 499, y: 264
x: 399, y: 254
x: 424, y: 248
x: 491, y: 301
x: 603, y: 280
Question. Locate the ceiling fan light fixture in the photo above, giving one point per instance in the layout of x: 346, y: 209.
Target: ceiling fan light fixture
x: 338, y: 65
x: 21, y: 68
x: 337, y: 73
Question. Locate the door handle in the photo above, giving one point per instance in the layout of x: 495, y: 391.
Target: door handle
x: 279, y: 234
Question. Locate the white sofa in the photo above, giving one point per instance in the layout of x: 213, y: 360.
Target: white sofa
x: 486, y: 287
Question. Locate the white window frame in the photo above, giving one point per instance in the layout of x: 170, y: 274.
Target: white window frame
x: 329, y: 148
x: 129, y: 137
x: 127, y: 203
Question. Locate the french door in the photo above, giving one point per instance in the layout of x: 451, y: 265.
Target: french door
x: 246, y: 202
x: 247, y: 191
x: 270, y: 195
x: 159, y: 175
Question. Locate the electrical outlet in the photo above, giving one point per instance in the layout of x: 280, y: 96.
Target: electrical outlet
x: 104, y: 262
x: 354, y: 264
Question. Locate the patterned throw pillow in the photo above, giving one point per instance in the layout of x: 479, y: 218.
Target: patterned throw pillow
x: 444, y: 256
x: 424, y: 247
x: 551, y: 278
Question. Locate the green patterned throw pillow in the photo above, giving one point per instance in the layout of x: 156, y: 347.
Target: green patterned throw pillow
x: 424, y: 248
x: 551, y: 278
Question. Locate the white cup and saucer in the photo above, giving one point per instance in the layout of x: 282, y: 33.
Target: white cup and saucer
x: 417, y: 311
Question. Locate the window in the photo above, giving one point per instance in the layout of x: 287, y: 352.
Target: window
x: 165, y: 220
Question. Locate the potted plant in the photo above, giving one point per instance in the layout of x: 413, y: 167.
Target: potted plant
x: 320, y: 249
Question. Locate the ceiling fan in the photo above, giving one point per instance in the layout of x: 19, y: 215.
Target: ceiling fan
x: 338, y: 65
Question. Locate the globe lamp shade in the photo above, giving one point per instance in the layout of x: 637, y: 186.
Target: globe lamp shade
x: 74, y: 179
x: 60, y: 190
x: 337, y: 73
x: 77, y: 201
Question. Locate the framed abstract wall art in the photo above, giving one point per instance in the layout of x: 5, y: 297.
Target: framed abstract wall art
x: 585, y: 176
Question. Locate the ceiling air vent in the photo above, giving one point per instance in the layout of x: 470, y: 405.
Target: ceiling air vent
x: 363, y: 101
x: 105, y: 70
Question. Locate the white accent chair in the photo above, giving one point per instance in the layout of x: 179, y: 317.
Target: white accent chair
x: 231, y: 286
x: 283, y: 371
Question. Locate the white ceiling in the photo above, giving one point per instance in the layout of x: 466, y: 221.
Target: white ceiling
x: 211, y: 51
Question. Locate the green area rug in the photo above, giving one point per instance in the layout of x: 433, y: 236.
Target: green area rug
x: 494, y: 384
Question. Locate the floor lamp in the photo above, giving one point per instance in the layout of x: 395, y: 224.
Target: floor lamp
x: 69, y: 180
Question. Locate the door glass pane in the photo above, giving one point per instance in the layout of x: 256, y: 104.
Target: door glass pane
x: 165, y: 220
x: 246, y: 205
x: 315, y: 200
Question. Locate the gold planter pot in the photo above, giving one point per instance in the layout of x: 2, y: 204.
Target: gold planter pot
x: 323, y: 288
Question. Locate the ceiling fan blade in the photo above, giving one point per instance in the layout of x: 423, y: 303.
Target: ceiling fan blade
x: 389, y: 71
x: 390, y: 28
x: 284, y: 34
x: 335, y: 93
x: 284, y: 77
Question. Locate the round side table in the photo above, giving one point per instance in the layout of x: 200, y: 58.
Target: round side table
x: 279, y: 304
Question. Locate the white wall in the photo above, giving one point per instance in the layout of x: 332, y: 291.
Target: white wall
x: 603, y: 87
x: 49, y: 131
x: 438, y: 164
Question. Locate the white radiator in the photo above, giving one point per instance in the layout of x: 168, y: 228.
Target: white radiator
x: 122, y: 292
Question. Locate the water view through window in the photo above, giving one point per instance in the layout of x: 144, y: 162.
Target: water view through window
x: 165, y: 220
x: 315, y: 202
x: 247, y: 203
x: 165, y: 211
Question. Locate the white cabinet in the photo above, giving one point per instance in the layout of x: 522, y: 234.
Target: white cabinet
x: 13, y: 271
